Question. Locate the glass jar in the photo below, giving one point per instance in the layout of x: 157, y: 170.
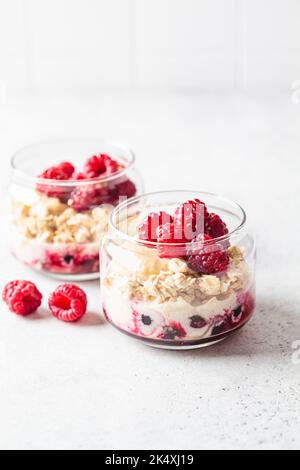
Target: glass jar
x: 58, y: 224
x: 151, y: 290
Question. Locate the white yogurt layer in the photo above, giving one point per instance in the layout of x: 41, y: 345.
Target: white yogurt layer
x: 120, y: 312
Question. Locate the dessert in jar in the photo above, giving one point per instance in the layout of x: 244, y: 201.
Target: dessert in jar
x: 178, y: 269
x: 62, y: 194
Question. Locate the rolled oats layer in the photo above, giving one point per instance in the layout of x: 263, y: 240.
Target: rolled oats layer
x: 172, y: 279
x: 49, y: 235
x: 50, y: 221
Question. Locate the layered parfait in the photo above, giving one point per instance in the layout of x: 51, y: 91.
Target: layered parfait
x: 177, y: 276
x: 60, y: 218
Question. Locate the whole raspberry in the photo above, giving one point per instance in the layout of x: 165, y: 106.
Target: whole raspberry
x: 190, y: 218
x: 87, y: 197
x: 207, y: 258
x: 148, y: 228
x: 66, y: 169
x: 22, y: 297
x: 215, y: 227
x: 94, y: 166
x: 68, y: 303
x: 166, y: 234
x: 100, y: 165
x: 125, y: 189
x: 61, y: 172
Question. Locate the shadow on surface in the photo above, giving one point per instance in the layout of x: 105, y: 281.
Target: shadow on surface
x: 91, y: 319
x: 41, y: 314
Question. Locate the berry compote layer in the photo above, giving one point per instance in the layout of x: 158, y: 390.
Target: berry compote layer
x: 59, y: 224
x: 185, y: 286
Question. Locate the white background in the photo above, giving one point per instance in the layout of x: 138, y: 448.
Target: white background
x: 202, y: 91
x: 167, y: 44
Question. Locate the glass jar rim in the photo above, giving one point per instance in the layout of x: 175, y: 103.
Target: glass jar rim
x: 130, y: 155
x: 150, y: 244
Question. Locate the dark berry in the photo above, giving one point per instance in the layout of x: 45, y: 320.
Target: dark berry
x: 198, y: 322
x: 172, y: 331
x: 146, y: 320
x: 219, y: 329
x: 236, y: 315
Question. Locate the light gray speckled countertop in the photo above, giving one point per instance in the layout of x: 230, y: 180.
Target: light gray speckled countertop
x: 85, y: 386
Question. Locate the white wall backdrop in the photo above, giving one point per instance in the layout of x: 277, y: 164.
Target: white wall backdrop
x: 128, y: 44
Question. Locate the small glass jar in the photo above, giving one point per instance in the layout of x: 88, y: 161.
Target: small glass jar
x: 58, y: 225
x: 160, y: 300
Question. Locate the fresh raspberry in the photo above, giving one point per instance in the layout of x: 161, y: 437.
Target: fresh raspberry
x: 166, y: 234
x: 148, y: 228
x: 111, y: 166
x: 68, y: 303
x: 207, y: 258
x: 61, y: 172
x: 22, y: 297
x: 87, y: 197
x: 79, y: 176
x: 94, y: 166
x: 125, y: 189
x: 190, y: 218
x: 100, y: 165
x: 67, y: 169
x: 215, y: 227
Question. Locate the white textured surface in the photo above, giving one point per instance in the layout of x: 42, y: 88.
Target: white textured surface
x: 132, y: 44
x: 85, y: 385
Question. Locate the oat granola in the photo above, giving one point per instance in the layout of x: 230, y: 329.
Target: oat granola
x: 51, y: 221
x: 174, y: 280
